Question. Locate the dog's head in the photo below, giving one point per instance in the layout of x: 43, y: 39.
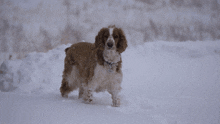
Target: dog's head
x: 111, y: 38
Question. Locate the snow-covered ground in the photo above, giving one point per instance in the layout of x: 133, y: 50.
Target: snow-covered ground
x: 164, y: 83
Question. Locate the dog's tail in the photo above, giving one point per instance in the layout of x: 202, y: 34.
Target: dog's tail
x: 67, y: 49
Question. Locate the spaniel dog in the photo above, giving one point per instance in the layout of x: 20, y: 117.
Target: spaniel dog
x: 95, y: 67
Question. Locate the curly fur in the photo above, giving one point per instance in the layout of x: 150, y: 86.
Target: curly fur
x: 95, y: 67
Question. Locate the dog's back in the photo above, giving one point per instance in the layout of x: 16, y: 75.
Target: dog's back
x: 83, y: 56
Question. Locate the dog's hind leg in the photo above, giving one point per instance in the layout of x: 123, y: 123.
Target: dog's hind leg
x: 65, y: 88
x: 81, y: 90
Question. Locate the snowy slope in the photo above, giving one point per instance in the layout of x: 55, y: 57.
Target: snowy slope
x: 164, y: 83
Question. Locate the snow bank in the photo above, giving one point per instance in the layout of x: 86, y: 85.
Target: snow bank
x: 37, y: 72
x: 42, y: 72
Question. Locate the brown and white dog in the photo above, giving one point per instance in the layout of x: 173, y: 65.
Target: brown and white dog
x: 95, y: 67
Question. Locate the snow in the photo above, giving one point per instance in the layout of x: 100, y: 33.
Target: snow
x: 163, y: 83
x: 39, y: 25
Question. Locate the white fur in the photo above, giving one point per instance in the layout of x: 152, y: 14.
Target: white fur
x: 104, y: 80
x: 111, y: 56
x: 110, y: 38
x: 111, y: 31
x: 73, y: 79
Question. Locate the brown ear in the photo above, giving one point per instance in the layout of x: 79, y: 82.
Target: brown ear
x: 100, y: 39
x: 122, y: 44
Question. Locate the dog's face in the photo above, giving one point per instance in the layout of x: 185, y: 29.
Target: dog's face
x: 111, y: 38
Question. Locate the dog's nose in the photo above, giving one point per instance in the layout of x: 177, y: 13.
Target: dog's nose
x: 110, y: 44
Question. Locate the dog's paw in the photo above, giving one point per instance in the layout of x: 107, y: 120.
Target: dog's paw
x: 116, y: 102
x: 64, y: 95
x: 88, y: 97
x: 88, y: 101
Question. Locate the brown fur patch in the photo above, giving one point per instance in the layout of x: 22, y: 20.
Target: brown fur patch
x: 83, y: 56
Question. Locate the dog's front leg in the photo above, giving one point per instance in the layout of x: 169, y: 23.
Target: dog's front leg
x: 115, y: 100
x: 115, y: 97
x: 88, y: 97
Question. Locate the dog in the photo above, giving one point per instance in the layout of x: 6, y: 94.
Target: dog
x: 95, y: 67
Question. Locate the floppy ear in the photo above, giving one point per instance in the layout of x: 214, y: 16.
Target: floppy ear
x: 122, y: 43
x: 100, y: 39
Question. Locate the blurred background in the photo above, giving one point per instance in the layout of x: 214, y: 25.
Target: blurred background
x: 40, y: 25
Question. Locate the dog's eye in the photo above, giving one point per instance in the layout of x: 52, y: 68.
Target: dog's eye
x: 116, y: 36
x: 106, y: 36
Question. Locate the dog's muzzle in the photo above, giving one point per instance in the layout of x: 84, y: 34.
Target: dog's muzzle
x: 110, y: 44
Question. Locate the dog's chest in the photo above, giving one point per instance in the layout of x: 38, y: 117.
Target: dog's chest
x: 103, y: 77
x: 104, y: 73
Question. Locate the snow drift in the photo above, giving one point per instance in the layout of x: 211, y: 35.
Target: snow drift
x: 35, y: 72
x: 163, y: 83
